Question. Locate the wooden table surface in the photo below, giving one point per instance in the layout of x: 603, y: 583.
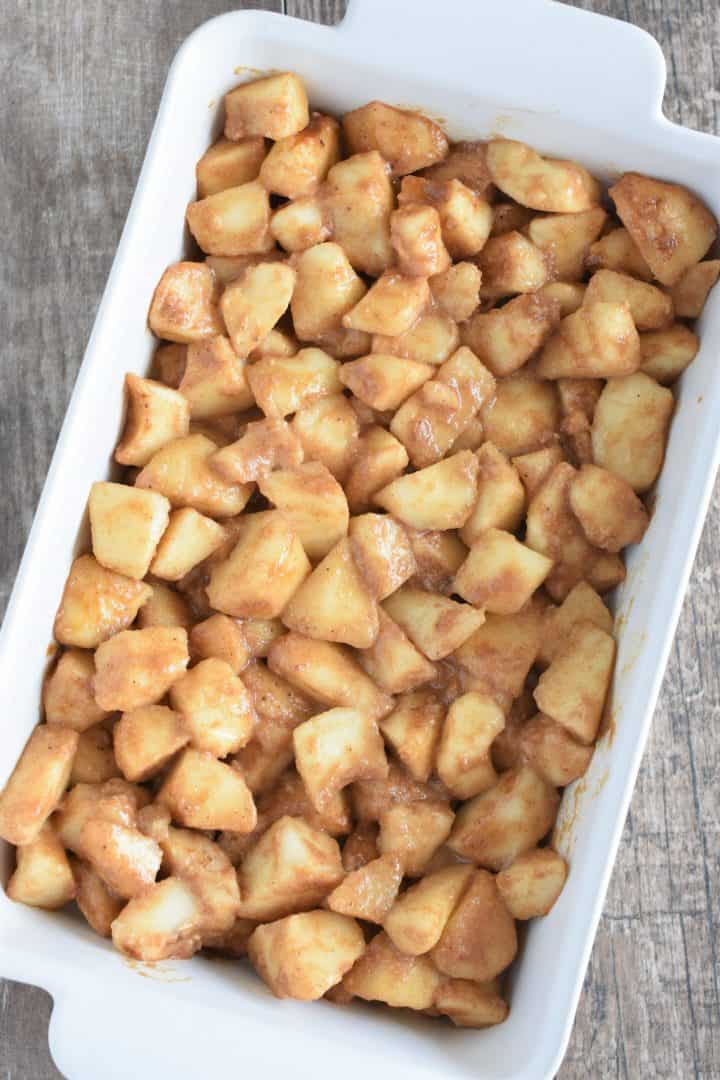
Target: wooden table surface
x: 80, y: 81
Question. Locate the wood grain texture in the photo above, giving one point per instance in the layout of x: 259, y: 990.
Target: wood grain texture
x: 81, y: 83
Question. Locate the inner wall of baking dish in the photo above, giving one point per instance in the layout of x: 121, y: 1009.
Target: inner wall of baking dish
x: 542, y: 988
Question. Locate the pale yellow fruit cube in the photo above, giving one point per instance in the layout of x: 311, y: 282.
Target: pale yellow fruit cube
x: 573, y: 689
x: 691, y: 291
x: 413, y: 729
x: 569, y: 295
x: 470, y: 1004
x: 598, y: 341
x: 511, y: 264
x: 126, y: 526
x: 222, y: 637
x: 214, y: 381
x: 384, y: 381
x: 608, y: 509
x: 438, y: 557
x: 334, y: 603
x: 201, y: 862
x: 414, y: 832
x: 116, y: 801
x: 235, y: 221
x: 431, y: 339
x: 407, y: 139
x: 228, y: 164
x: 501, y: 497
x: 664, y: 354
x: 96, y: 603
x: 672, y: 228
x: 418, y: 917
x: 535, y: 467
x: 531, y: 885
x: 165, y: 607
x: 264, y: 446
x: 292, y: 867
x: 42, y: 876
x: 499, y: 655
x: 297, y: 164
x: 204, y: 793
x: 505, y: 338
x: 549, y: 184
x: 138, y: 667
x: 289, y: 797
x: 162, y: 923
x: 552, y: 751
x: 67, y: 695
x: 312, y: 502
x: 566, y: 239
x: 285, y: 384
x: 554, y: 531
x: 335, y: 748
x: 327, y: 673
x: 145, y: 740
x: 391, y: 305
x: 94, y: 760
x: 582, y: 604
x: 215, y: 707
x: 617, y: 250
x: 326, y: 288
x: 416, y: 236
x: 507, y: 820
x: 436, y: 624
x: 630, y: 429
x: 369, y: 891
x: 304, y: 955
x: 184, y: 304
x: 328, y: 431
x: 429, y: 422
x: 465, y: 217
x: 275, y: 106
x: 385, y: 974
x: 650, y: 307
x: 300, y: 224
x: 358, y: 199
x: 382, y: 552
x: 500, y: 574
x: 524, y: 415
x: 393, y: 662
x: 189, y: 538
x: 263, y: 571
x: 457, y: 290
x: 125, y: 859
x: 181, y: 472
x: 379, y: 459
x: 440, y: 496
x: 473, y: 722
x: 479, y: 940
x: 252, y: 304
x: 156, y: 415
x: 99, y: 905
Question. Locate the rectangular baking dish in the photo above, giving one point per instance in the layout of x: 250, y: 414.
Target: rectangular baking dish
x: 572, y: 84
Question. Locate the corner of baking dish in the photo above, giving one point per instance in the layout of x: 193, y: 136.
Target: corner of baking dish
x: 570, y: 83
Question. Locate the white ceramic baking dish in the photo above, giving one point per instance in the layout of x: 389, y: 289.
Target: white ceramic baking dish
x: 572, y: 84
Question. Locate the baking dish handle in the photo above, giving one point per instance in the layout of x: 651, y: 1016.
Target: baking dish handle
x: 544, y: 51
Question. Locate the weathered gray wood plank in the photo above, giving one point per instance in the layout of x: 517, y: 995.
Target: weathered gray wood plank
x: 80, y: 87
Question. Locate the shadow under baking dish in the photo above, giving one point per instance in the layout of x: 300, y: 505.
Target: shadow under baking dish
x: 571, y: 85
